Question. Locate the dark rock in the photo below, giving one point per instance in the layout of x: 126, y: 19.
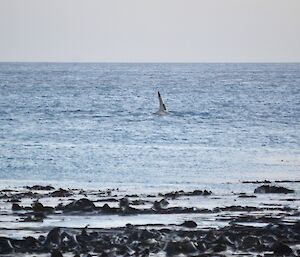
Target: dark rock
x: 109, y: 210
x: 151, y: 196
x: 31, y: 243
x: 94, y: 234
x: 210, y: 237
x: 266, y: 189
x: 201, y: 246
x: 219, y: 248
x: 108, y: 200
x: 138, y: 202
x: 147, y: 234
x: 14, y: 200
x: 257, y: 182
x: 250, y: 242
x: 145, y: 252
x: 197, y: 192
x: 130, y: 211
x: 53, y: 237
x: 16, y: 207
x: 84, y: 232
x: 160, y: 205
x: 207, y: 192
x: 133, y: 195
x: 238, y: 208
x: 243, y: 195
x: 39, y: 187
x: 38, y: 207
x: 281, y: 249
x: 61, y: 193
x: 36, y: 217
x: 172, y: 248
x: 129, y: 227
x: 125, y: 208
x: 69, y: 240
x: 83, y: 204
x: 5, y: 246
x: 28, y: 194
x: 124, y: 203
x: 188, y: 247
x: 133, y: 234
x: 175, y: 194
x: 287, y: 181
x: 125, y: 250
x: 296, y: 226
x: 269, y: 239
x: 189, y: 224
x: 226, y: 239
x: 56, y: 253
x: 41, y: 238
x: 150, y: 242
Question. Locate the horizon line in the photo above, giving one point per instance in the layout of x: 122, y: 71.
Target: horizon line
x: 159, y: 62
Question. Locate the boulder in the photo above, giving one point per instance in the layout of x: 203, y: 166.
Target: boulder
x: 31, y: 243
x: 188, y: 247
x: 266, y: 189
x: 5, y: 246
x: 109, y: 210
x: 172, y: 248
x: 39, y: 207
x: 280, y: 248
x: 160, y: 205
x: 16, y: 207
x: 61, y: 193
x: 124, y: 203
x: 56, y: 253
x: 189, y: 224
x: 53, y: 237
x: 83, y: 204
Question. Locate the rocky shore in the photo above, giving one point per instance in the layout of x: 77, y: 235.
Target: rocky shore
x: 241, y: 229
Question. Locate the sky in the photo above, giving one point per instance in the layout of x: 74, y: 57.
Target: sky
x: 150, y: 30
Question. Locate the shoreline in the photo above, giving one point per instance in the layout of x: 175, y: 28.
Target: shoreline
x: 191, y: 223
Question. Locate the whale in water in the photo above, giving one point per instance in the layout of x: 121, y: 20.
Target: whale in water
x: 162, y: 108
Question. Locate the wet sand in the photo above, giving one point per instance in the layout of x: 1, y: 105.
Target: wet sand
x: 43, y: 220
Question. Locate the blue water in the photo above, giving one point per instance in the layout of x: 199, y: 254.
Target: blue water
x: 94, y: 123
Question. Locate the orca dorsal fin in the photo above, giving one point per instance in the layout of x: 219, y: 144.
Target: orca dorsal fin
x: 162, y: 107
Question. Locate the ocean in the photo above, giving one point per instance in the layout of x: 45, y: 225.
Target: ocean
x: 92, y: 125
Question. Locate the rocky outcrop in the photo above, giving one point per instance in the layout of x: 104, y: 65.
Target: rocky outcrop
x: 266, y: 189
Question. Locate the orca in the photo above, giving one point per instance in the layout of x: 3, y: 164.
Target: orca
x: 162, y: 108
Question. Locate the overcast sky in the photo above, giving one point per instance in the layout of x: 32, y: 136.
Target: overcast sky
x: 150, y: 30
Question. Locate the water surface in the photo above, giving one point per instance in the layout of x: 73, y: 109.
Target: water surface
x: 93, y: 124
